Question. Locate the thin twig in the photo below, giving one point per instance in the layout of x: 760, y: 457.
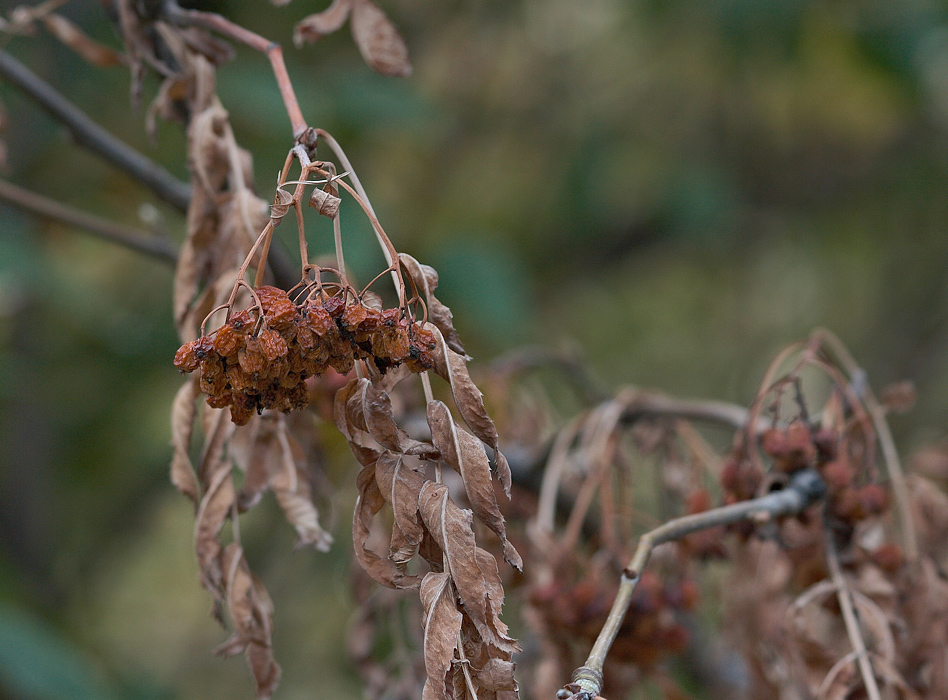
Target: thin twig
x: 849, y: 618
x: 47, y: 208
x: 92, y: 136
x: 857, y: 376
x: 217, y: 23
x: 805, y: 488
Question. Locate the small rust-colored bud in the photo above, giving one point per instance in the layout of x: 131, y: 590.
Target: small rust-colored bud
x: 353, y: 316
x: 838, y: 474
x: 272, y: 345
x: 888, y: 557
x: 240, y: 415
x: 334, y: 306
x: 774, y: 443
x: 873, y: 499
x: 281, y: 314
x: 228, y: 341
x: 318, y: 321
x: 251, y: 357
x: 325, y: 203
x: 186, y: 358
x: 242, y: 321
x: 221, y: 400
x: 800, y: 442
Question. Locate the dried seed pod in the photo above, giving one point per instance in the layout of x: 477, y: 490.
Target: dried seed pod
x: 334, y: 306
x: 251, y: 357
x: 325, y: 203
x: 240, y: 415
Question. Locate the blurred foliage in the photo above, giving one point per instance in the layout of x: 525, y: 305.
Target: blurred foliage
x: 680, y: 187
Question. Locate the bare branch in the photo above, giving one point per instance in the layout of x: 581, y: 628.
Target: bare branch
x: 92, y: 136
x: 47, y: 208
x: 805, y: 488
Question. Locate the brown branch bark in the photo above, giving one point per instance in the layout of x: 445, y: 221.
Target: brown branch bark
x: 132, y: 238
x: 805, y: 488
x: 89, y: 134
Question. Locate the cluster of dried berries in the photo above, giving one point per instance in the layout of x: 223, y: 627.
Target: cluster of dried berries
x: 262, y: 357
x: 851, y: 497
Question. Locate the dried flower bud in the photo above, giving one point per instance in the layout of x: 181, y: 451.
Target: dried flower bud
x: 272, y: 345
x: 325, y: 203
x: 228, y: 341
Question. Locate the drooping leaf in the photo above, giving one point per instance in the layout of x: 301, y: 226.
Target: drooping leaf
x: 370, y: 502
x: 442, y: 624
x: 183, y: 411
x: 400, y: 478
x: 378, y: 40
x: 317, y: 25
x: 251, y: 612
x: 465, y: 454
x: 291, y: 485
x: 452, y: 367
x: 476, y: 580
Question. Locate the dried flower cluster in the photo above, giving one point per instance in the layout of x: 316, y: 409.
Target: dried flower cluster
x: 258, y: 361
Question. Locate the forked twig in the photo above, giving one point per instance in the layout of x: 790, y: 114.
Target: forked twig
x: 849, y: 619
x: 806, y: 487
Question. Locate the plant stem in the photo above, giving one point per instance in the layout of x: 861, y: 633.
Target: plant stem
x: 805, y: 488
x: 92, y: 136
x: 217, y: 23
x: 47, y: 208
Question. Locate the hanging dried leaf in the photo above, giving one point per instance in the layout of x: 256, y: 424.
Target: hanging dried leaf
x: 360, y: 442
x: 183, y: 411
x: 465, y: 454
x: 370, y: 409
x: 80, y: 42
x: 452, y: 367
x: 281, y: 205
x: 291, y: 485
x: 212, y: 513
x: 251, y: 612
x: 442, y: 624
x: 316, y: 26
x: 378, y: 40
x: 473, y: 571
x: 370, y: 502
x: 325, y: 203
x: 425, y: 278
x: 400, y: 479
x: 496, y: 675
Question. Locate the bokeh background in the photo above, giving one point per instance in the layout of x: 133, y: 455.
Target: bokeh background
x: 678, y: 189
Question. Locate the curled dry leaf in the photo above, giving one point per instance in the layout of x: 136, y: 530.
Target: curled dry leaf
x: 473, y: 571
x: 370, y: 502
x: 452, y: 367
x: 316, y: 26
x: 325, y: 203
x: 425, y: 278
x: 400, y: 478
x: 212, y: 513
x: 369, y: 409
x: 378, y: 40
x: 251, y: 612
x: 183, y: 411
x: 294, y: 493
x: 442, y: 623
x: 465, y: 454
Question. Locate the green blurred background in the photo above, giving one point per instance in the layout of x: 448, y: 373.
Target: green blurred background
x: 680, y: 188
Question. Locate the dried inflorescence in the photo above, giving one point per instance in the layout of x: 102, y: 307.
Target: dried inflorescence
x: 260, y: 361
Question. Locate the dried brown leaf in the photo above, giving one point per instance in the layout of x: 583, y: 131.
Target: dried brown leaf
x: 452, y: 367
x: 442, y: 624
x: 370, y: 502
x: 473, y: 571
x: 378, y: 40
x: 77, y: 40
x: 251, y: 612
x: 370, y: 409
x: 212, y: 513
x: 465, y: 454
x: 365, y: 449
x: 316, y: 26
x: 291, y: 485
x: 425, y: 278
x: 183, y: 411
x: 400, y: 479
x: 496, y: 674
